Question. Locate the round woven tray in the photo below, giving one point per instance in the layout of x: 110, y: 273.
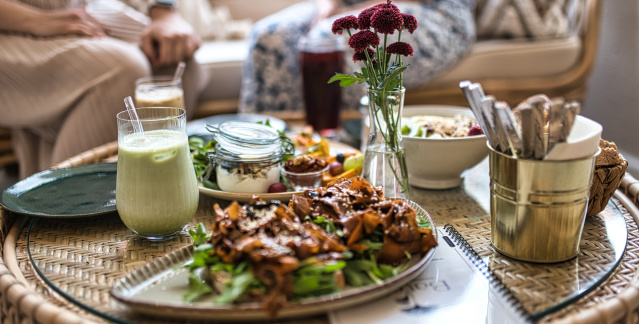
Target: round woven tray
x: 24, y: 298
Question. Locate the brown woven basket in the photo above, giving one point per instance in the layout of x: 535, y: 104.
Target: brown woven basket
x: 605, y: 182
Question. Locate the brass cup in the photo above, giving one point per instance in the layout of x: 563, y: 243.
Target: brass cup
x: 538, y: 208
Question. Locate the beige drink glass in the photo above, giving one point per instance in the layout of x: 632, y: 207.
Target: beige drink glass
x: 159, y: 91
x: 156, y: 188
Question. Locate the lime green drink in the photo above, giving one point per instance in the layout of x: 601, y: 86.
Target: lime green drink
x: 156, y: 188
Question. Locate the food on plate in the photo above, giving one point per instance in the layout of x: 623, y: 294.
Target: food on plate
x: 430, y: 126
x: 304, y: 163
x: 305, y: 137
x: 346, y: 234
x: 277, y: 187
x: 335, y: 168
x: 240, y: 169
x: 304, y: 172
x: 309, y: 143
x: 238, y: 177
x: 357, y: 162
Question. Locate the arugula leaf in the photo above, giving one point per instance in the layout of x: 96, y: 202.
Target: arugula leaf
x: 202, y: 256
x: 199, y: 150
x: 372, y: 246
x: 316, y: 279
x: 237, y: 286
x: 356, y: 273
x: 199, y: 235
x: 328, y: 225
x: 197, y: 288
x: 210, y: 184
x: 382, y: 271
x: 422, y: 221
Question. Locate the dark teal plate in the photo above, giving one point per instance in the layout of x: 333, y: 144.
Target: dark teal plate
x: 81, y: 191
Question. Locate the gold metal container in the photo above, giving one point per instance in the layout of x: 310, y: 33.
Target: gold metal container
x: 538, y: 208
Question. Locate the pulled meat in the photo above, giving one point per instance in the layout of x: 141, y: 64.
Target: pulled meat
x: 360, y: 209
x: 274, y: 237
x: 274, y: 240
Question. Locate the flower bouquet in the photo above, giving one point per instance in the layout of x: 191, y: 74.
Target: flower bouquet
x: 382, y: 71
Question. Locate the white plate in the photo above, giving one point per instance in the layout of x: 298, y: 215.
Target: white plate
x: 156, y: 289
x: 335, y: 148
x: 246, y: 197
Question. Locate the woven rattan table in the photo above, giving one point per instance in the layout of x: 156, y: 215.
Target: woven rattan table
x: 25, y: 298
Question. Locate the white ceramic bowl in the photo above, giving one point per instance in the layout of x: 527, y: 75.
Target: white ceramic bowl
x: 440, y: 163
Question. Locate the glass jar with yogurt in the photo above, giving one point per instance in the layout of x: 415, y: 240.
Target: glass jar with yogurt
x: 247, y: 156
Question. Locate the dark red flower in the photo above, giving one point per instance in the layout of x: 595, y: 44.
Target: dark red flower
x: 386, y: 21
x: 410, y: 22
x: 387, y: 5
x: 400, y: 48
x: 364, y: 18
x: 348, y: 22
x: 361, y: 55
x: 363, y: 39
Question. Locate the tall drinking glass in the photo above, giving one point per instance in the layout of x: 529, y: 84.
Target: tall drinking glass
x: 159, y: 91
x: 320, y: 59
x: 156, y: 189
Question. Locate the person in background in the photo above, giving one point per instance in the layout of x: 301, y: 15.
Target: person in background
x: 63, y: 79
x: 271, y: 74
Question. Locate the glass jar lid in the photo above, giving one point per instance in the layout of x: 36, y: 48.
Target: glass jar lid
x: 247, y: 140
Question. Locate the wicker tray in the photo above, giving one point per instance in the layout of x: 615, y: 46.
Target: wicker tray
x: 24, y: 297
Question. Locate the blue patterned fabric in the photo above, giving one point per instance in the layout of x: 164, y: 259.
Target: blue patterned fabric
x: 271, y: 74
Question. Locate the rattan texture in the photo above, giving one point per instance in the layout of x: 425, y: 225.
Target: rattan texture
x: 25, y: 299
x: 605, y: 182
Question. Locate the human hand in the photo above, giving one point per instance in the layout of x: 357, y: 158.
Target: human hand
x: 63, y: 22
x: 325, y: 9
x: 169, y: 39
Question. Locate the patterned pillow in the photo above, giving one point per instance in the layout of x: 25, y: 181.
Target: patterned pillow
x: 527, y: 18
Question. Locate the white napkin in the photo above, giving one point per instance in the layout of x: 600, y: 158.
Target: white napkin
x: 583, y: 141
x: 450, y: 290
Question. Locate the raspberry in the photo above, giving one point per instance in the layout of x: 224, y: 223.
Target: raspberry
x: 277, y: 187
x: 474, y: 131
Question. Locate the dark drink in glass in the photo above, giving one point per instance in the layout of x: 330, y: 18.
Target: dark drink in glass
x: 320, y: 59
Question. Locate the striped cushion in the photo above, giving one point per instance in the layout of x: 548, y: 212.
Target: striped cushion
x: 527, y: 18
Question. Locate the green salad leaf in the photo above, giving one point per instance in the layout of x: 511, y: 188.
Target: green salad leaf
x: 316, y: 279
x: 311, y: 278
x: 236, y: 287
x: 198, y: 288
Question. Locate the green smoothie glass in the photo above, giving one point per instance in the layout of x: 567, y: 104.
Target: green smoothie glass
x: 156, y: 189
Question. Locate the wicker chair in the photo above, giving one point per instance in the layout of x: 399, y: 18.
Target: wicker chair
x: 570, y: 84
x: 7, y: 156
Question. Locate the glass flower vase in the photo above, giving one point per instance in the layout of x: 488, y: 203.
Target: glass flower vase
x: 384, y: 155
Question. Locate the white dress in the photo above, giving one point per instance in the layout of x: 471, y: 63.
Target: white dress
x: 59, y: 95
